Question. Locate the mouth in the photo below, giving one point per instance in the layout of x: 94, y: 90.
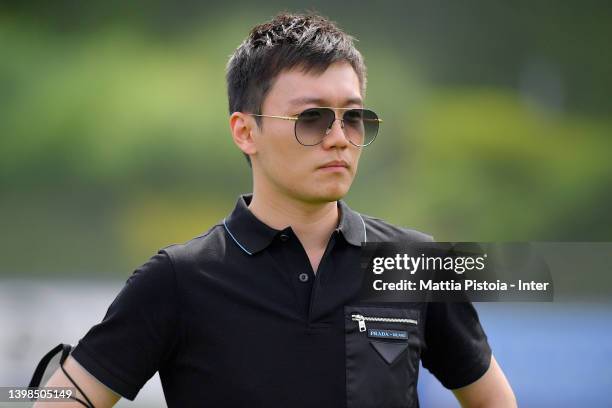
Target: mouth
x: 336, y: 165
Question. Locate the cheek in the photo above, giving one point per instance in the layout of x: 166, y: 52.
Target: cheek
x: 281, y: 153
x: 355, y: 155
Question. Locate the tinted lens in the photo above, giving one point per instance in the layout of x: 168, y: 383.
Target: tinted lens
x: 360, y: 126
x: 311, y: 125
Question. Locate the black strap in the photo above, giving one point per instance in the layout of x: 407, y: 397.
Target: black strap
x: 42, y: 365
x: 44, y: 362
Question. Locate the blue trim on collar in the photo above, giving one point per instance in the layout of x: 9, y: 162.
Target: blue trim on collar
x: 365, y: 231
x: 234, y: 238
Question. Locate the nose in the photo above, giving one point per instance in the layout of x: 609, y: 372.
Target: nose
x: 335, y: 135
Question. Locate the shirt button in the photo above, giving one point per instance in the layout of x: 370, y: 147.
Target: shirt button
x: 303, y: 277
x: 284, y: 237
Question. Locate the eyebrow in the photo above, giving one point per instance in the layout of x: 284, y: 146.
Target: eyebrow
x: 321, y: 102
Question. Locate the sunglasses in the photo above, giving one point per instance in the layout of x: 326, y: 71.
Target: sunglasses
x: 312, y: 125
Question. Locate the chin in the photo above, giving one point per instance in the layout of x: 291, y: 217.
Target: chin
x: 331, y: 193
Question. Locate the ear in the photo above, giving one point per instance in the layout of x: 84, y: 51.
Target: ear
x: 242, y: 126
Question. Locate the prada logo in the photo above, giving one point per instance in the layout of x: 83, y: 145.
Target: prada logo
x: 388, y: 334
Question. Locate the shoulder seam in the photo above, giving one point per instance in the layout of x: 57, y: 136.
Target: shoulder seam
x: 179, y: 306
x: 401, y: 227
x: 203, y: 235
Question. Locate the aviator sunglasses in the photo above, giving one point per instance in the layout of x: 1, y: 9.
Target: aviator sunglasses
x: 312, y: 125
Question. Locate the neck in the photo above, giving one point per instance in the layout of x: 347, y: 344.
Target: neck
x: 313, y: 223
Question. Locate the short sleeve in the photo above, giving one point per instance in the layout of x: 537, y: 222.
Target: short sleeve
x: 457, y: 352
x: 137, y: 333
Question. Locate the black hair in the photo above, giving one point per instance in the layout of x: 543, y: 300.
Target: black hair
x: 309, y: 41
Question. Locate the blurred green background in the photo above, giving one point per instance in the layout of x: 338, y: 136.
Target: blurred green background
x: 114, y: 137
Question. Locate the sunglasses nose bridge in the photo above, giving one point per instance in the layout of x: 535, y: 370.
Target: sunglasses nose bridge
x: 331, y: 125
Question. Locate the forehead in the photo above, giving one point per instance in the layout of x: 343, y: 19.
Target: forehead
x: 337, y: 86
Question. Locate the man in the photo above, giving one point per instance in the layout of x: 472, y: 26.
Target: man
x: 258, y: 311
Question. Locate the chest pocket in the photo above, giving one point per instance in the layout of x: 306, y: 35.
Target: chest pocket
x: 382, y: 356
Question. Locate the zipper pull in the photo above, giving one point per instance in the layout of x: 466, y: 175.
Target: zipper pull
x: 361, y: 320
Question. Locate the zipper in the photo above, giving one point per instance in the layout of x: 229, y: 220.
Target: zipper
x: 361, y: 320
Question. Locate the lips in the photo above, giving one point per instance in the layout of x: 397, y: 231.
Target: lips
x: 336, y: 163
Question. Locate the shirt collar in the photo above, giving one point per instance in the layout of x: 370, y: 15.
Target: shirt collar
x: 253, y: 235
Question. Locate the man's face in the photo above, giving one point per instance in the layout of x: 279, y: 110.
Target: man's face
x: 303, y: 172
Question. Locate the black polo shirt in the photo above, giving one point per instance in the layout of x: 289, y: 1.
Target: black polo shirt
x: 237, y: 318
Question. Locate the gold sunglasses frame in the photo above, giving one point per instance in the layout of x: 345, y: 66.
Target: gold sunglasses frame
x: 295, y: 118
